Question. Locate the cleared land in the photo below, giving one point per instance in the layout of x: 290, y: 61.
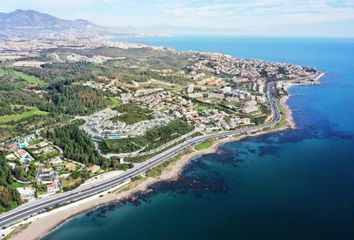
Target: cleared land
x: 18, y: 117
x: 31, y: 80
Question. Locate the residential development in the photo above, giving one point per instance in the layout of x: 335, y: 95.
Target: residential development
x: 84, y: 107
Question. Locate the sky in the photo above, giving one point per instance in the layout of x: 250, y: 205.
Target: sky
x: 331, y: 18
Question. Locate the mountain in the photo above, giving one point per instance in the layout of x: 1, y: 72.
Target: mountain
x: 30, y: 23
x: 34, y: 19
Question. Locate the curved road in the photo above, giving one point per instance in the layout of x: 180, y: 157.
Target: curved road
x: 38, y: 206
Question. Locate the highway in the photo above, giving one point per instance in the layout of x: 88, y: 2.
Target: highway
x: 41, y: 205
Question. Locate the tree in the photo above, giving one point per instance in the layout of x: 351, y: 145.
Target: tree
x: 9, y: 197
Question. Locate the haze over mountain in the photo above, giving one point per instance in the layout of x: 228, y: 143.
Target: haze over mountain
x: 30, y: 23
x: 34, y: 19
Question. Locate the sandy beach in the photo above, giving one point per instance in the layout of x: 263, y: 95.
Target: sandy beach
x: 42, y: 224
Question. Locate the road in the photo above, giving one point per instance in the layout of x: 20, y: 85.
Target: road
x: 41, y: 205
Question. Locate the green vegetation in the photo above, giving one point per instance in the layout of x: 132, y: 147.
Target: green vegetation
x: 75, y: 144
x: 40, y: 188
x: 23, y: 174
x: 17, y: 230
x: 73, y: 99
x: 32, y: 81
x: 69, y: 184
x: 152, y: 139
x: 76, y: 179
x: 9, y: 197
x: 18, y: 185
x: 79, y: 147
x: 132, y: 113
x: 57, y: 72
x: 157, y: 171
x: 114, y: 102
x: 204, y: 145
x: 202, y: 107
x: 20, y: 116
x: 135, y: 181
x: 45, y: 156
x: 158, y: 59
x: 27, y: 125
x: 116, y: 165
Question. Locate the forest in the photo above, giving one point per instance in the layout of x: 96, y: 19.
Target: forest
x: 73, y: 99
x: 79, y: 147
x: 75, y: 144
x: 9, y: 197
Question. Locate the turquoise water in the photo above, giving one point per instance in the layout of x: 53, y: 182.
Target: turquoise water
x: 297, y: 184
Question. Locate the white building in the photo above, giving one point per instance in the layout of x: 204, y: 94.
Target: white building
x: 55, y: 160
x: 195, y: 95
x: 27, y: 193
x: 250, y: 106
x: 216, y: 95
x: 190, y: 88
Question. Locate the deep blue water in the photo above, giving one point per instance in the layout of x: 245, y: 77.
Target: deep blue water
x: 297, y: 184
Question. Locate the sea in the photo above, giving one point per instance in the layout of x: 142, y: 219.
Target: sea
x: 290, y: 185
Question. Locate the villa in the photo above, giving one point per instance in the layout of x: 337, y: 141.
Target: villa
x: 27, y: 193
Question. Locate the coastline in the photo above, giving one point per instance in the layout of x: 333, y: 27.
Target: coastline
x: 39, y: 226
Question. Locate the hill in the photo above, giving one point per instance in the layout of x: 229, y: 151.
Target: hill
x: 30, y: 23
x: 34, y: 19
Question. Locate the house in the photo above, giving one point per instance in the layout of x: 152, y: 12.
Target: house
x: 261, y: 99
x: 226, y: 90
x: 27, y: 193
x: 11, y: 157
x: 94, y: 169
x: 3, y: 149
x: 215, y: 95
x: 245, y: 121
x: 46, y: 175
x: 42, y: 144
x: 22, y: 144
x: 70, y: 166
x: 65, y: 176
x: 11, y: 147
x: 24, y: 157
x: 232, y: 99
x: 12, y: 165
x: 250, y: 106
x: 55, y: 160
x: 195, y: 95
x: 53, y: 187
x: 46, y: 149
x: 190, y: 88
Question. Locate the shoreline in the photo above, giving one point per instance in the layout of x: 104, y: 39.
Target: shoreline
x: 41, y: 225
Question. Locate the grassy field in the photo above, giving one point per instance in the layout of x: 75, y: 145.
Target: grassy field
x: 2, y: 72
x: 201, y: 108
x: 46, y: 156
x: 31, y: 80
x: 204, y: 145
x: 114, y: 102
x: 17, y: 185
x: 69, y: 184
x: 17, y: 117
